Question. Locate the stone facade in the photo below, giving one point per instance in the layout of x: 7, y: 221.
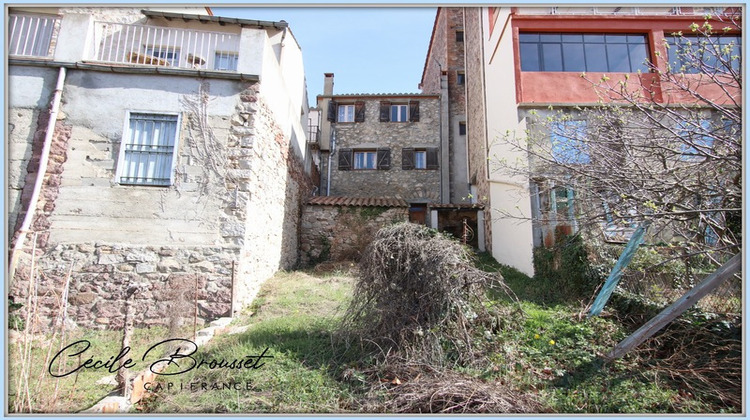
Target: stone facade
x: 227, y: 221
x: 341, y: 233
x: 412, y: 185
x: 446, y: 58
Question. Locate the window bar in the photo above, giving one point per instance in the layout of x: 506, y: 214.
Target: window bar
x: 140, y: 42
x: 14, y: 25
x: 182, y: 41
x: 28, y: 35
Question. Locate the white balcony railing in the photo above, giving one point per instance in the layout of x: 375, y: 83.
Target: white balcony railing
x: 31, y: 35
x: 160, y: 46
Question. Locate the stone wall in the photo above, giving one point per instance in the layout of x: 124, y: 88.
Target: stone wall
x: 411, y: 185
x: 476, y: 123
x: 341, y: 233
x: 231, y: 215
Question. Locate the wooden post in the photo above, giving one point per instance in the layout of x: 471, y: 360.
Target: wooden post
x: 678, y: 307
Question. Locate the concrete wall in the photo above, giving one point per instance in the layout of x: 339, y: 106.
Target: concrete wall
x: 512, y: 238
x: 341, y: 233
x: 420, y: 185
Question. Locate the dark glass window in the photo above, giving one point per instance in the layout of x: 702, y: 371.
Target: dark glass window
x: 460, y: 78
x: 459, y: 36
x: 688, y: 54
x: 624, y: 53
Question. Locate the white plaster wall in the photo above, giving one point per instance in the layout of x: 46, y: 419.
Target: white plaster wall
x: 283, y: 87
x: 512, y: 240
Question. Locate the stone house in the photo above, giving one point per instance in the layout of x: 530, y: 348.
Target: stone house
x: 162, y: 150
x: 514, y: 63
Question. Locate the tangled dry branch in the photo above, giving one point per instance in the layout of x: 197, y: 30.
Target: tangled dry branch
x: 420, y: 296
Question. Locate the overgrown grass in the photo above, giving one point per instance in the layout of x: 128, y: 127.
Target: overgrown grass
x: 292, y: 320
x: 81, y: 389
x: 553, y: 353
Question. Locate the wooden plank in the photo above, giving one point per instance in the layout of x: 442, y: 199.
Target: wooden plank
x: 678, y: 307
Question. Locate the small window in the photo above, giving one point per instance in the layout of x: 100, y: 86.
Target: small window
x: 459, y: 36
x: 169, y: 54
x: 225, y: 61
x: 567, y: 142
x: 365, y: 159
x: 460, y: 78
x: 345, y: 113
x: 399, y: 113
x: 148, y: 148
x: 420, y: 159
x: 462, y: 128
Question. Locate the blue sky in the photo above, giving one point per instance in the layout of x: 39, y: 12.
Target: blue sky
x: 370, y: 50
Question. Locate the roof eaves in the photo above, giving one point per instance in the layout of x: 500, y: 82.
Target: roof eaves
x: 216, y: 19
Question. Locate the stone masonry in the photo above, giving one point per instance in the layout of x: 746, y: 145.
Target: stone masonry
x: 416, y: 185
x: 341, y: 233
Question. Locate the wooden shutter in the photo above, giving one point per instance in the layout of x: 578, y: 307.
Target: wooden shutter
x: 385, y: 111
x: 345, y: 159
x: 359, y: 111
x: 384, y: 159
x: 432, y: 158
x: 413, y: 111
x: 407, y: 158
x: 332, y: 110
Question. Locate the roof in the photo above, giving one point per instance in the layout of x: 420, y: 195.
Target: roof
x: 358, y: 201
x: 437, y: 206
x: 218, y: 19
x: 381, y: 95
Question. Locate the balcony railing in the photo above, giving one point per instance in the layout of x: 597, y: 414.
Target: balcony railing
x: 160, y: 46
x: 31, y: 35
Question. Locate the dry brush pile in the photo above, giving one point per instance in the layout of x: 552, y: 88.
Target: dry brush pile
x: 419, y: 308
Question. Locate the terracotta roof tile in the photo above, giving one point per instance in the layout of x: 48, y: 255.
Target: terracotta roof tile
x: 358, y: 201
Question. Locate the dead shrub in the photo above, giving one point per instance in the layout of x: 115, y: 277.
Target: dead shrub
x: 454, y: 393
x: 420, y: 297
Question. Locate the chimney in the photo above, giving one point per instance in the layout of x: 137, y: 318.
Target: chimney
x: 328, y: 84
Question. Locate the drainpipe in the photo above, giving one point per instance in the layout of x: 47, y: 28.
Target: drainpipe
x: 330, y: 155
x: 44, y: 159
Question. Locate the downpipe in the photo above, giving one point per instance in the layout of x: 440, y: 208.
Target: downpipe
x: 44, y: 160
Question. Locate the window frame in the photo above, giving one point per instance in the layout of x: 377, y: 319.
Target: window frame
x: 562, y: 145
x: 366, y: 153
x: 460, y: 77
x: 402, y: 114
x: 223, y: 55
x: 157, y: 50
x: 351, y: 115
x: 676, y: 64
x: 588, y: 43
x: 127, y: 134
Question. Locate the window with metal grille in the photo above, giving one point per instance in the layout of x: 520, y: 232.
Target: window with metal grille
x: 148, y: 148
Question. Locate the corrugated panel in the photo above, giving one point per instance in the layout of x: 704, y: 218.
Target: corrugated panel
x: 358, y: 201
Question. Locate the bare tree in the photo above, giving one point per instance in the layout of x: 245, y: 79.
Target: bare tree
x: 663, y: 146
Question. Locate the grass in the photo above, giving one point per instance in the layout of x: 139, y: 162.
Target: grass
x: 79, y: 390
x: 292, y: 318
x: 548, y: 351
